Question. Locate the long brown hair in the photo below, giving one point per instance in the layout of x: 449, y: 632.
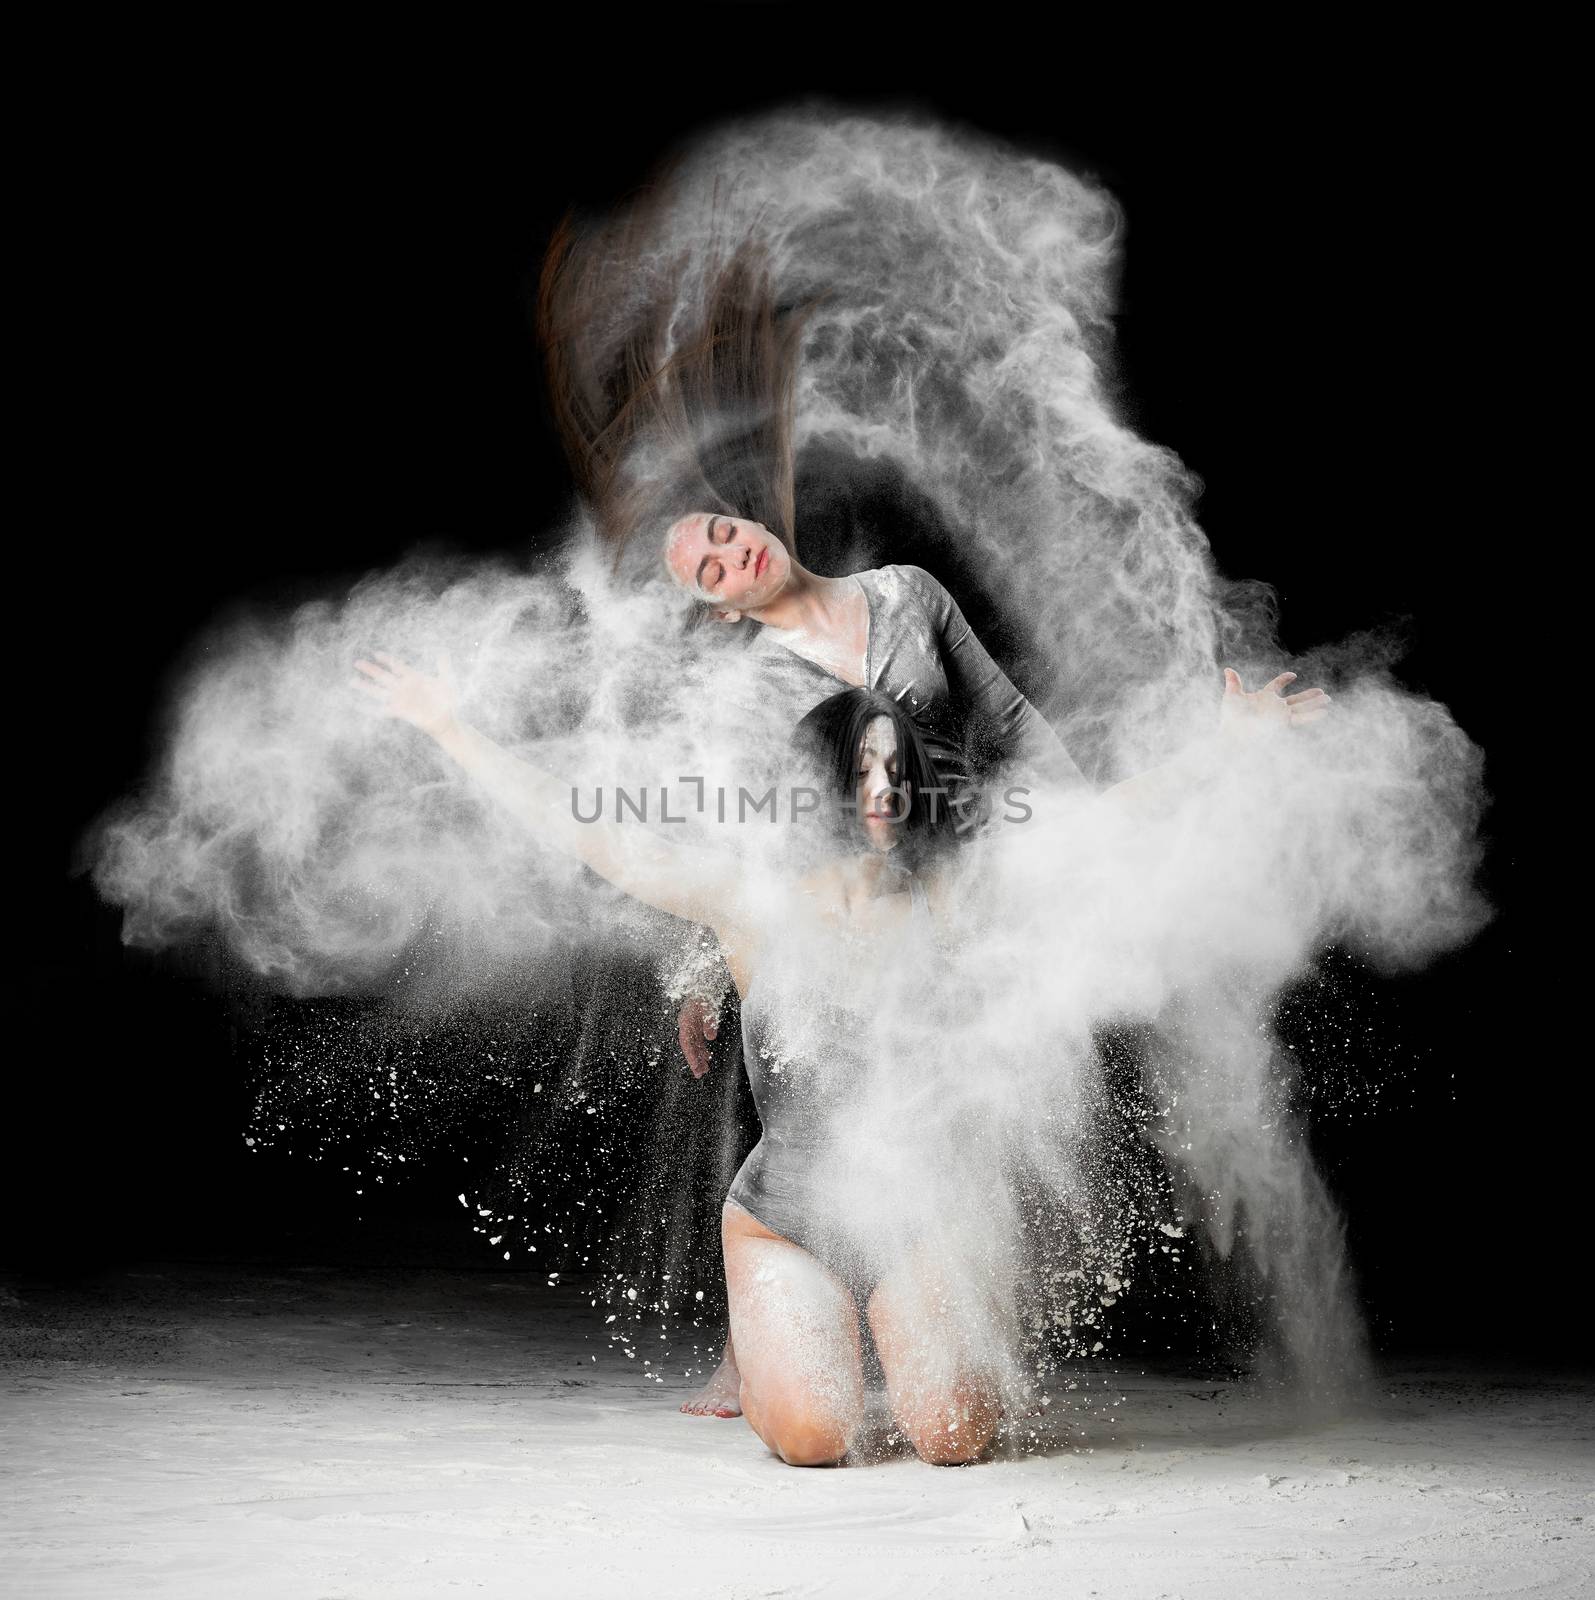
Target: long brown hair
x: 671, y: 372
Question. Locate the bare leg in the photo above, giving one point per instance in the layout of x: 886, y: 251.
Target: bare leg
x: 938, y: 1380
x: 797, y: 1343
x: 720, y: 1396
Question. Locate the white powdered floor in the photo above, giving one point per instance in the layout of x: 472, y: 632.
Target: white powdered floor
x: 310, y: 1434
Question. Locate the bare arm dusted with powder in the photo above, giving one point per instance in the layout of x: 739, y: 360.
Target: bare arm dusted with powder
x: 699, y: 885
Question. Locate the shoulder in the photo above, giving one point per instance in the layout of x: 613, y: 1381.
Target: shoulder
x: 917, y: 577
x: 815, y: 889
x: 911, y: 581
x: 938, y: 897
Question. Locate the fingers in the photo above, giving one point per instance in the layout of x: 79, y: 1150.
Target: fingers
x: 1300, y: 715
x: 1307, y: 706
x: 692, y: 1044
x: 1275, y: 686
x: 381, y: 674
x: 697, y: 1053
x: 371, y: 701
x: 391, y: 662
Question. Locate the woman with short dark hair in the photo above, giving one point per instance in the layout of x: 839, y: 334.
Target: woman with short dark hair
x: 847, y: 911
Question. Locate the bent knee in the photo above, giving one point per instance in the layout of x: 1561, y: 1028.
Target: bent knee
x: 951, y: 1449
x: 950, y: 1434
x: 811, y: 1446
x: 805, y: 1436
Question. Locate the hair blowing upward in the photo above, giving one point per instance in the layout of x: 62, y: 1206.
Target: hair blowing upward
x: 670, y: 373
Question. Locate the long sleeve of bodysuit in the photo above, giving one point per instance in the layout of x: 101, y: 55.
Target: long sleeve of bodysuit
x: 1001, y: 723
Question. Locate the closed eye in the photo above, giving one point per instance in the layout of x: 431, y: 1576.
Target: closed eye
x: 709, y: 564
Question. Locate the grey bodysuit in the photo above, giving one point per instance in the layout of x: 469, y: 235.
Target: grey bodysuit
x: 922, y: 653
x: 806, y: 1050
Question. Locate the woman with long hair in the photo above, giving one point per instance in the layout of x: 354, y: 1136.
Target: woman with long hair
x: 678, y: 426
x: 813, y: 943
x: 862, y: 888
x: 671, y: 380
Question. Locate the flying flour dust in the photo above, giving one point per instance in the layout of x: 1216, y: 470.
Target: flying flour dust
x: 965, y: 290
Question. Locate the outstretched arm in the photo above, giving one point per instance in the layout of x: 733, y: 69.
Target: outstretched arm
x: 1007, y: 723
x: 1242, y: 714
x: 700, y: 885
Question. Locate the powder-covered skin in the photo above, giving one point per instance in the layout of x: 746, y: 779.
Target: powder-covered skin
x: 969, y: 299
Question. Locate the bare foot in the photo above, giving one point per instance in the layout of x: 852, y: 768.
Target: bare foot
x: 719, y: 1396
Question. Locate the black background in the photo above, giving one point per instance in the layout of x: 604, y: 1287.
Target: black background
x: 283, y: 323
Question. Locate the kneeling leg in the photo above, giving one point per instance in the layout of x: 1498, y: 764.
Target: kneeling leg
x: 939, y: 1380
x: 795, y: 1328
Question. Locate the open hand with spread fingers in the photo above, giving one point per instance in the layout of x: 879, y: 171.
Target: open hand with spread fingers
x: 1269, y: 707
x: 398, y: 690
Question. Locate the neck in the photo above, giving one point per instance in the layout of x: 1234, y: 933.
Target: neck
x: 867, y: 876
x: 806, y: 601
